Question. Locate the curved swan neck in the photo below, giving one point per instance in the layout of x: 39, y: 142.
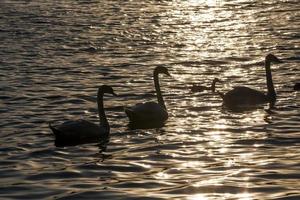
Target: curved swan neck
x: 101, y: 112
x: 271, y: 91
x: 157, y: 89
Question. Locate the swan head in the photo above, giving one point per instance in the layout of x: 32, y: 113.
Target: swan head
x: 216, y: 80
x: 272, y: 58
x: 162, y: 70
x: 106, y: 89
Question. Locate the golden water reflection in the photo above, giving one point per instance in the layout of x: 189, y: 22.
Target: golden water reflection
x: 240, y: 196
x: 203, y: 152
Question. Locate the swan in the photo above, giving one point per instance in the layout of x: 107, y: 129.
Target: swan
x: 200, y: 88
x: 81, y: 131
x: 150, y: 112
x: 297, y: 86
x: 243, y: 96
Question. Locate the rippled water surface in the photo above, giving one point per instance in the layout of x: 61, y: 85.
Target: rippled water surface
x: 54, y: 54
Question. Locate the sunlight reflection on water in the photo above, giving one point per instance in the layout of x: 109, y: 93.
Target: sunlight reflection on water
x: 55, y: 54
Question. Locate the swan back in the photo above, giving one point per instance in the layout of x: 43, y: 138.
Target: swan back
x: 241, y: 96
x: 74, y: 130
x: 149, y: 111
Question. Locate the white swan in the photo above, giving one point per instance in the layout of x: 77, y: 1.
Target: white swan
x: 150, y: 112
x: 243, y: 96
x: 81, y: 131
x: 200, y: 88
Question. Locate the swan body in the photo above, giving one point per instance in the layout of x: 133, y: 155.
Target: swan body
x: 297, y: 86
x: 201, y: 88
x: 244, y: 96
x: 150, y: 112
x: 80, y: 131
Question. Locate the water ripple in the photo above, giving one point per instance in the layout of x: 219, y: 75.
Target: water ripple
x: 54, y: 56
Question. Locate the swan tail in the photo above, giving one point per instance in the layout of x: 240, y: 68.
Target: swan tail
x: 55, y: 131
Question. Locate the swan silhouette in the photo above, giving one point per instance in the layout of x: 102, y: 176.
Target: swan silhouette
x: 200, y: 88
x: 297, y: 86
x: 150, y: 112
x: 244, y: 96
x: 82, y: 131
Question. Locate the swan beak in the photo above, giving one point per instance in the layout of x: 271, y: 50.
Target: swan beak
x: 114, y: 94
x: 168, y: 74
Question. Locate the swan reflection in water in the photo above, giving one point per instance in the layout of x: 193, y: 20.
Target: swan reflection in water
x: 150, y: 114
x: 242, y: 96
x: 82, y: 131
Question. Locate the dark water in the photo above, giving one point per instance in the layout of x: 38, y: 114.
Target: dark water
x: 54, y: 54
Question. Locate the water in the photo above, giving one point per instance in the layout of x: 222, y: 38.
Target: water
x: 54, y: 55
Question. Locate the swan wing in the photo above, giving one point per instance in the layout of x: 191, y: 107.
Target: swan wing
x: 78, y: 130
x: 242, y: 90
x: 146, y: 107
x: 149, y: 111
x: 199, y: 88
x: 244, y: 96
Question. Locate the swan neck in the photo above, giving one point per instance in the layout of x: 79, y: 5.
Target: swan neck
x: 157, y: 89
x: 271, y: 91
x: 213, y: 86
x: 101, y: 112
